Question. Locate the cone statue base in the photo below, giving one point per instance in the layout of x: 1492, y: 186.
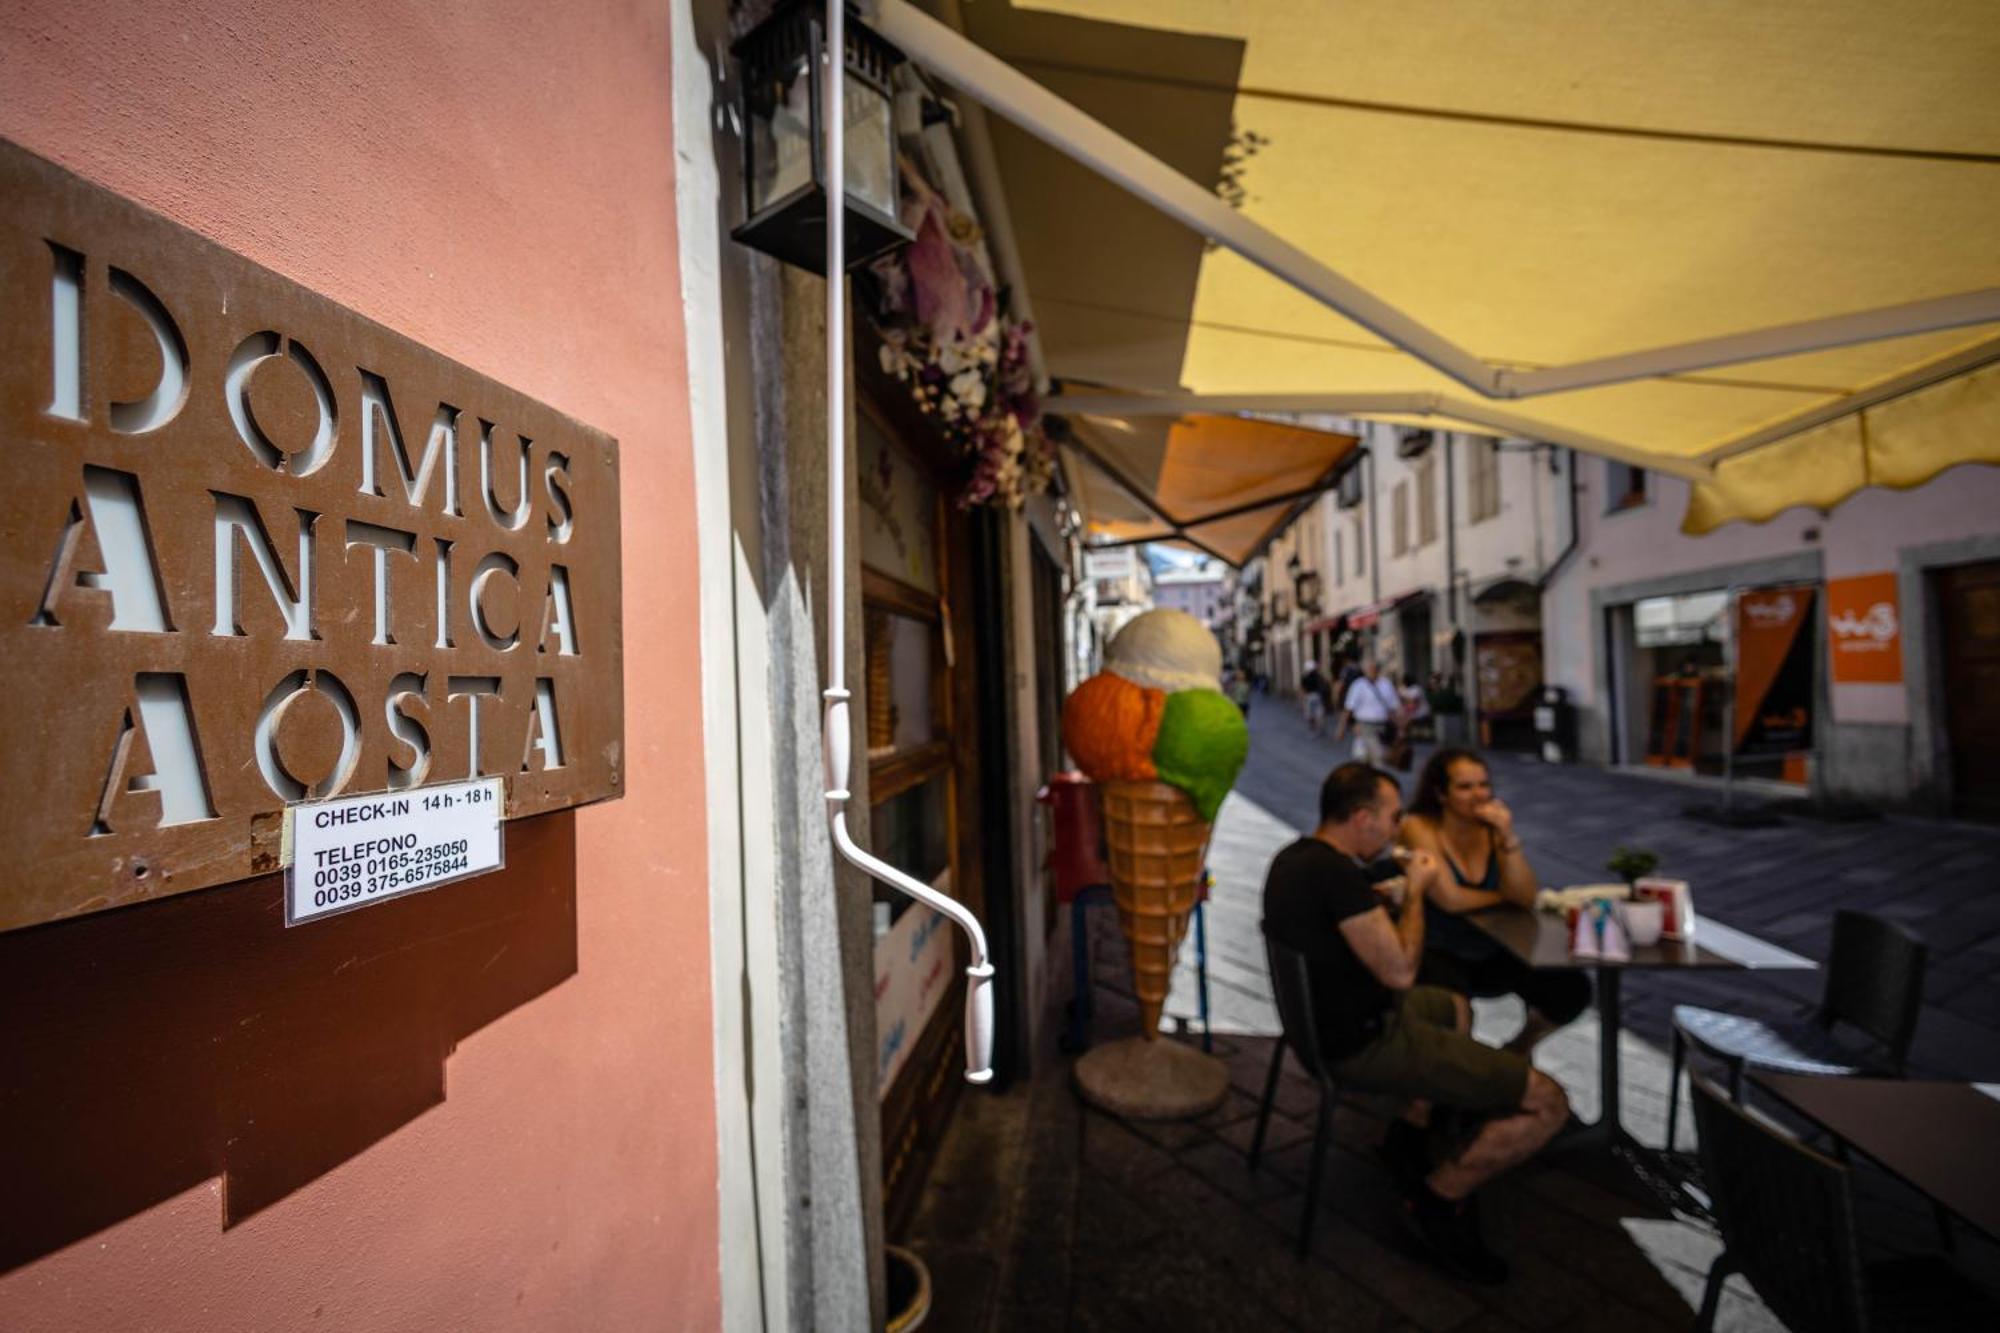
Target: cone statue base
x: 1139, y: 1079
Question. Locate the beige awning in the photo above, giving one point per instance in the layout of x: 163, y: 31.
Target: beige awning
x: 1585, y: 221
x: 1224, y: 485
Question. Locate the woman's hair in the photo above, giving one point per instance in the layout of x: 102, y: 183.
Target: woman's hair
x: 1435, y: 780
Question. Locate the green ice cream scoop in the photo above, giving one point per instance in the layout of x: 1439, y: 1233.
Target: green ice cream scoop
x: 1201, y: 747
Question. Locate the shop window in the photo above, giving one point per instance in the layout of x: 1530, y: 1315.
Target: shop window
x: 902, y: 671
x: 912, y: 830
x: 1624, y: 486
x: 907, y: 717
x: 1482, y: 480
x: 1427, y: 500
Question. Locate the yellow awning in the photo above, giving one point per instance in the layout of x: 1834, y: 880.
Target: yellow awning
x: 1528, y: 187
x: 1221, y: 484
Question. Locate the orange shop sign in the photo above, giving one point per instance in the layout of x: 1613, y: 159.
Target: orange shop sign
x: 1864, y: 630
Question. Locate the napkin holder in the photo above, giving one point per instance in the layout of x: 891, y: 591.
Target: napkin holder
x: 1677, y: 903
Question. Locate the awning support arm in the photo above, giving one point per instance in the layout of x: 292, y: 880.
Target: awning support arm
x: 1070, y: 131
x: 837, y: 734
x: 1377, y: 404
x: 968, y: 67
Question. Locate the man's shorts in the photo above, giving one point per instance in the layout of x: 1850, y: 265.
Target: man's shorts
x: 1420, y: 1053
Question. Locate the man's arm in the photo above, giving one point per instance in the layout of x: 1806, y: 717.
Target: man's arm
x: 1393, y: 951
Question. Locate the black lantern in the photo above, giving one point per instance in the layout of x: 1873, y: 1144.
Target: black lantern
x: 784, y: 169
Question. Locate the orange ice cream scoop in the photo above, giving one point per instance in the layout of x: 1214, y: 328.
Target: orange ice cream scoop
x: 1110, y: 725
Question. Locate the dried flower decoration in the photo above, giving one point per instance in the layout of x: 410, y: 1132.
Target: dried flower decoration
x: 947, y: 337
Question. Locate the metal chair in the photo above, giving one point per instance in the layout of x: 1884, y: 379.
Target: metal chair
x: 1874, y: 982
x: 1291, y: 986
x: 1787, y: 1219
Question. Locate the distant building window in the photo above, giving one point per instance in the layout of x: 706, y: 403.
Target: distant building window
x: 1624, y: 487
x: 1399, y: 518
x: 1339, y: 564
x: 1482, y: 480
x: 1360, y: 548
x: 1427, y: 500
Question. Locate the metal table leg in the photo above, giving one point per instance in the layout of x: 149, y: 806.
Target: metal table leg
x: 1201, y: 973
x: 1609, y: 1021
x: 1608, y: 1130
x: 1079, y: 951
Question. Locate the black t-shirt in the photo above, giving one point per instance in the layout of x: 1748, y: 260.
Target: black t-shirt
x: 1313, y: 683
x: 1310, y: 890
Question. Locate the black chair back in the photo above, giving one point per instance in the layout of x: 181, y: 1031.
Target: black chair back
x: 1291, y: 986
x: 1786, y: 1215
x: 1875, y: 980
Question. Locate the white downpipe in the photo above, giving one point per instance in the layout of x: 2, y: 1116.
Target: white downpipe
x: 837, y: 734
x: 1073, y: 133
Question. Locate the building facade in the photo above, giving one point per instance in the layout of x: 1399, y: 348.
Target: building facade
x: 1495, y: 568
x: 1198, y: 589
x: 1894, y: 588
x: 1428, y: 556
x: 492, y: 1104
x: 676, y: 1064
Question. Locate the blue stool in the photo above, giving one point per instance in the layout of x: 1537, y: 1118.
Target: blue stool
x: 1076, y: 1035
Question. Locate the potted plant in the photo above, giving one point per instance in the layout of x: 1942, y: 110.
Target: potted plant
x: 1632, y: 864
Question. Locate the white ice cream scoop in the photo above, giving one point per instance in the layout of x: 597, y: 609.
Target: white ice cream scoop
x: 1166, y: 650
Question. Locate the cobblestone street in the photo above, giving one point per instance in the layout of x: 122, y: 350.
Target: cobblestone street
x: 1044, y: 1213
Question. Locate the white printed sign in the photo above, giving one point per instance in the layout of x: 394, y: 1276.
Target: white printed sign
x: 361, y: 850
x: 913, y: 970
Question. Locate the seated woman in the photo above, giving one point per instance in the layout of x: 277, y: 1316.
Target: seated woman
x: 1456, y: 817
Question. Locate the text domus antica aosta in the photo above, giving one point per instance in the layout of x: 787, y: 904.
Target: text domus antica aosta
x: 258, y: 550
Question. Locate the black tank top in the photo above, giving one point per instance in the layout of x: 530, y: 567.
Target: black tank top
x: 1446, y: 931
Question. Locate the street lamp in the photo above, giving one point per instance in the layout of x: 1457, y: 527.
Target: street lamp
x: 784, y: 171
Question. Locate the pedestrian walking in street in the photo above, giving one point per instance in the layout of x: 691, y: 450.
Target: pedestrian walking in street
x: 1379, y: 1029
x: 1455, y: 816
x: 1416, y: 708
x: 1371, y: 710
x: 1312, y: 688
x: 1236, y: 684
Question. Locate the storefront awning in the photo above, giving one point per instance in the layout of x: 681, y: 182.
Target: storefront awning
x: 1224, y: 485
x: 1368, y: 615
x: 1751, y: 246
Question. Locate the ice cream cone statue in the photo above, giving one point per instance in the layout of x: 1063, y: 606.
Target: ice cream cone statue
x: 1164, y: 745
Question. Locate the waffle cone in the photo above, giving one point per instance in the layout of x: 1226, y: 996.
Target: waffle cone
x: 1157, y: 844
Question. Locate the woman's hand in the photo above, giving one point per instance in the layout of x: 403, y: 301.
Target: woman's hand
x: 1496, y: 816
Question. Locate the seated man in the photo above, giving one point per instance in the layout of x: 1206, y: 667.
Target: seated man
x: 1455, y: 817
x: 1378, y: 1029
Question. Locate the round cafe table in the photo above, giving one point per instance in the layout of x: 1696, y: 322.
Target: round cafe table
x: 1541, y: 940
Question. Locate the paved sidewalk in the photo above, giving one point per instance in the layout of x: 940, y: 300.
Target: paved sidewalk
x: 1042, y: 1213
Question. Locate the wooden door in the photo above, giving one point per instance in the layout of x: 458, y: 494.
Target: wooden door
x: 1969, y: 600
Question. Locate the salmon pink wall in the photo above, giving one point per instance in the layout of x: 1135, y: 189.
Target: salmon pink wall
x: 493, y: 178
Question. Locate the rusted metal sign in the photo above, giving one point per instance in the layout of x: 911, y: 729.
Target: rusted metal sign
x: 256, y: 549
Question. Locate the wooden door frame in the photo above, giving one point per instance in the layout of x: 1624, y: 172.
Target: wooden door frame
x: 1930, y: 785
